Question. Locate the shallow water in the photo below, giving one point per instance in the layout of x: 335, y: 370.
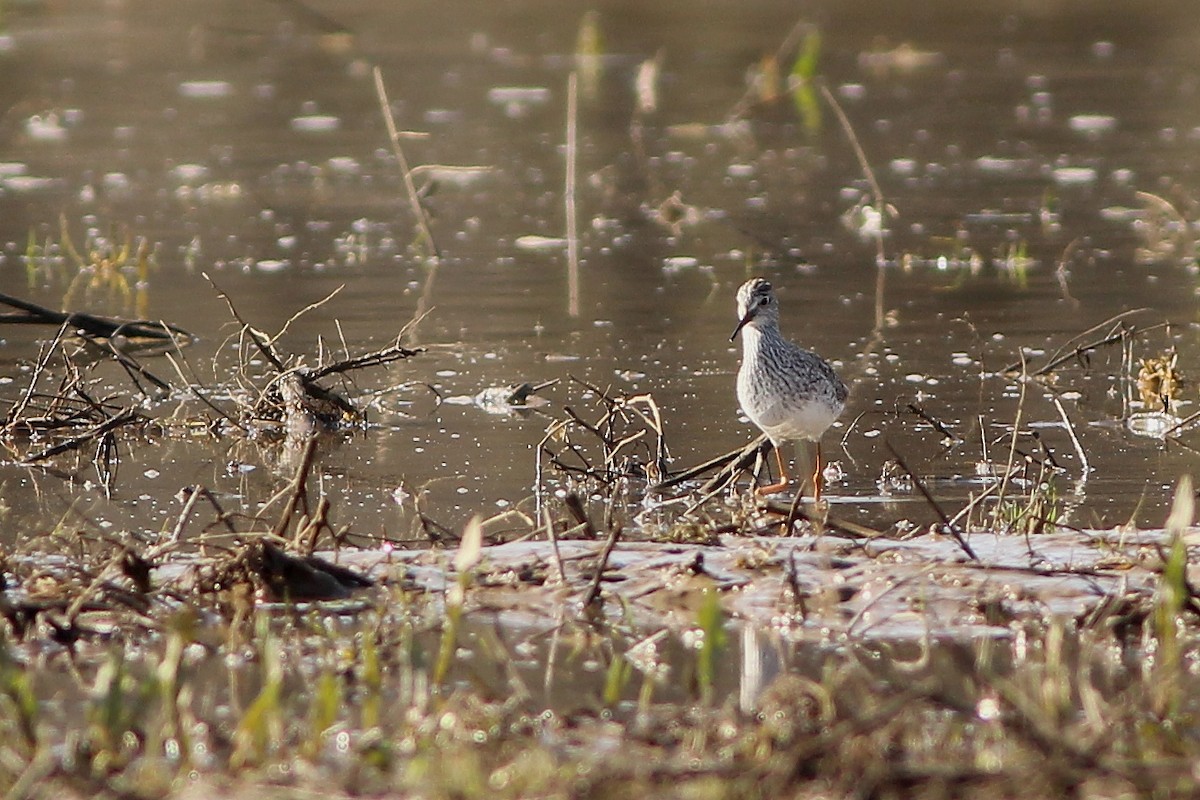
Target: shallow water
x: 245, y: 142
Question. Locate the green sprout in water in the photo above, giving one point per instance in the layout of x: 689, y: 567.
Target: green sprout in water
x: 1038, y: 513
x: 615, y: 681
x: 802, y: 83
x: 1173, y: 593
x: 1016, y: 262
x: 465, y: 559
x: 261, y: 726
x: 18, y: 703
x: 710, y: 619
x: 107, y: 269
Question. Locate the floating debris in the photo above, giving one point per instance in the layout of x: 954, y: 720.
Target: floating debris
x: 272, y: 264
x: 536, y: 242
x: 646, y: 86
x: 1001, y: 166
x: 502, y: 95
x: 189, y: 173
x: 45, y: 129
x: 864, y: 220
x: 677, y: 263
x: 517, y: 100
x: 459, y: 176
x: 1092, y: 123
x: 205, y: 89
x: 1159, y: 381
x: 1152, y: 424
x: 29, y: 183
x: 902, y: 58
x: 1121, y: 214
x: 674, y: 214
x: 316, y: 123
x: 506, y: 400
x: 1074, y: 176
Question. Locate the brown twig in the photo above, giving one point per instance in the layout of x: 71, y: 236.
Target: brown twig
x: 934, y: 422
x: 261, y: 344
x: 592, y: 601
x: 18, y: 410
x: 126, y: 417
x: 298, y: 488
x: 575, y: 506
x: 378, y: 358
x: 100, y: 327
x: 553, y: 533
x: 947, y: 525
x: 1061, y: 356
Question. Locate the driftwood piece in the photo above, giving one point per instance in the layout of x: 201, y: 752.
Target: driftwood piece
x: 102, y: 327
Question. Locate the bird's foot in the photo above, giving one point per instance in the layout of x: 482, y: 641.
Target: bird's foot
x: 763, y: 491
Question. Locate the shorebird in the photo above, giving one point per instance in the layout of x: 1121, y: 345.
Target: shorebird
x: 792, y: 394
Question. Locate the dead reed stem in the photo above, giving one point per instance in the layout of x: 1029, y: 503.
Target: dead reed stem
x: 1071, y: 351
x: 1084, y: 466
x: 948, y: 526
x: 593, y: 599
x: 572, y: 216
x: 877, y: 199
x: 1012, y: 444
x: 414, y: 199
x: 297, y: 491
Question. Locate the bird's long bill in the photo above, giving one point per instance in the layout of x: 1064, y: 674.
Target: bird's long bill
x: 741, y: 324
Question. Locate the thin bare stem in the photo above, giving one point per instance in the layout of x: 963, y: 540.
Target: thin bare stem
x: 1079, y: 451
x: 948, y: 526
x: 1069, y: 350
x: 1012, y: 444
x: 877, y: 199
x: 302, y: 312
x: 572, y: 217
x: 394, y: 137
x: 553, y: 533
x: 594, y: 599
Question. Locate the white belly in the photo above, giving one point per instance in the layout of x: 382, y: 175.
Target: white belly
x: 783, y: 424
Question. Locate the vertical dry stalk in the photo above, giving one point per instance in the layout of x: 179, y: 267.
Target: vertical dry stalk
x: 572, y: 219
x: 1012, y: 445
x: 880, y: 205
x: 593, y: 601
x: 553, y: 533
x: 394, y: 137
x: 1084, y: 466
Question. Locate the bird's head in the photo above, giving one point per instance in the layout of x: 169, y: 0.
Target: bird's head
x: 756, y: 303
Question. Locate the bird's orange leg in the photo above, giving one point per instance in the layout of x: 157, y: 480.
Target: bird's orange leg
x: 783, y: 476
x: 818, y: 476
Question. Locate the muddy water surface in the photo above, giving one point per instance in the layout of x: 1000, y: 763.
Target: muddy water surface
x: 245, y: 141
